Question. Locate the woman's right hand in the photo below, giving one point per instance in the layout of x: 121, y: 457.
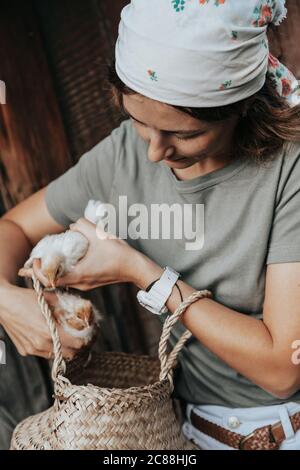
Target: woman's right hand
x: 23, y: 321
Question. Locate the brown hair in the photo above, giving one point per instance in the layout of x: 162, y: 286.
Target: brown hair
x: 266, y: 120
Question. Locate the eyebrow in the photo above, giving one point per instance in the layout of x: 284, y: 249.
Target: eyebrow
x: 190, y: 132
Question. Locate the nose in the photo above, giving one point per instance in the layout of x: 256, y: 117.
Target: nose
x: 159, y: 147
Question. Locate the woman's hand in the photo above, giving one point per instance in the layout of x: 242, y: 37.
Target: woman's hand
x: 109, y: 260
x: 24, y: 323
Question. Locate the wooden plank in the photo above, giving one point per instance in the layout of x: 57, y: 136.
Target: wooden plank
x: 33, y: 145
x: 78, y: 50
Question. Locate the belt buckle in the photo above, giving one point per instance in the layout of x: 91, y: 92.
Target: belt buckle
x: 244, y: 440
x: 272, y: 439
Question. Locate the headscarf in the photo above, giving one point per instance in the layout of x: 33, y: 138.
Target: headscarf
x: 201, y: 53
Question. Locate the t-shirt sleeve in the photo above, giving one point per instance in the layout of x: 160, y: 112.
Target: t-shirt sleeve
x: 284, y: 243
x: 92, y: 177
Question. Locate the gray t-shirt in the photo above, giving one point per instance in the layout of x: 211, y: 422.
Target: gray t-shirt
x: 251, y: 219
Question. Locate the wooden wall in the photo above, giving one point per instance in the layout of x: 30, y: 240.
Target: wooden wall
x: 33, y: 146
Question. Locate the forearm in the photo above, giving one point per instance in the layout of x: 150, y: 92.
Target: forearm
x: 241, y: 341
x: 14, y: 250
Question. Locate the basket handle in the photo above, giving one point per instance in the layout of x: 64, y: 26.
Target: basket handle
x: 168, y: 361
x: 59, y: 365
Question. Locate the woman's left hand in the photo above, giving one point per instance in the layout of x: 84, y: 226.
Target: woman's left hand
x: 109, y: 260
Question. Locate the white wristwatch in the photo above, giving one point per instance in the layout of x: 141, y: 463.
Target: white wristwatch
x: 155, y: 299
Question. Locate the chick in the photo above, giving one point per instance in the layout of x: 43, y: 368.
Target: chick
x: 60, y: 253
x: 78, y: 317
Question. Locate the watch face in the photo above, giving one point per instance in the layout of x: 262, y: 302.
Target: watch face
x: 145, y: 301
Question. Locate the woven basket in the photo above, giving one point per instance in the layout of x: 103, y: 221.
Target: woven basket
x: 108, y: 401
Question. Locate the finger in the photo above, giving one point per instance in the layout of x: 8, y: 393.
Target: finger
x: 46, y: 351
x: 67, y: 280
x: 25, y: 272
x: 102, y: 234
x: 83, y: 223
x: 39, y: 274
x: 45, y: 354
x: 51, y: 297
x: 84, y: 286
x: 39, y: 348
x: 88, y: 229
x: 16, y: 342
x: 68, y: 341
x: 68, y: 353
x: 78, y: 286
x: 25, y: 348
x: 83, y: 226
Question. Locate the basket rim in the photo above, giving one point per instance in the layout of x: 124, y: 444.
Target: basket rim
x: 90, y: 389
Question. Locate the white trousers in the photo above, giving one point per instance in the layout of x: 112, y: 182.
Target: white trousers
x: 242, y: 421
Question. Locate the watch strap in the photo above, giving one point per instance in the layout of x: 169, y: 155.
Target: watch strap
x: 157, y: 293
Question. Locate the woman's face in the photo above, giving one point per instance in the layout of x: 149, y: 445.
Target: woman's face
x: 175, y: 137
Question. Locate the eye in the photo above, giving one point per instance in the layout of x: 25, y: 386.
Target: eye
x: 190, y: 136
x: 177, y: 137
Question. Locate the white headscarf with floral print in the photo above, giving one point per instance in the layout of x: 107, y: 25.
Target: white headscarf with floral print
x: 200, y: 53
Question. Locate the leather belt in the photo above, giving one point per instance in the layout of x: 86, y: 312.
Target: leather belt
x: 265, y: 438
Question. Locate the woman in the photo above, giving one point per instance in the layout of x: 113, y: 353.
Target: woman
x: 214, y: 126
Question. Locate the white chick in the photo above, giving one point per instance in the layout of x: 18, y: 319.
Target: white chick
x: 78, y: 317
x: 61, y: 252
x: 58, y: 254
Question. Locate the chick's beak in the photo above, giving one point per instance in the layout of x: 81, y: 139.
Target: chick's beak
x: 51, y: 277
x: 52, y: 281
x: 85, y: 314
